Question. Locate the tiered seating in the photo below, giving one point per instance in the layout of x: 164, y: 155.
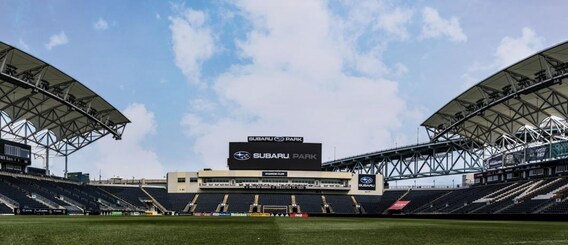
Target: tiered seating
x: 281, y: 200
x: 240, y: 202
x: 5, y: 209
x: 35, y: 186
x: 93, y: 194
x: 418, y: 198
x: 207, y: 202
x: 178, y: 201
x: 461, y: 201
x: 341, y: 204
x: 526, y: 207
x: 19, y: 196
x: 532, y: 205
x: 132, y: 195
x: 506, y: 200
x: 388, y: 198
x: 70, y: 191
x: 558, y: 208
x: 56, y: 192
x: 160, y: 195
x: 275, y: 199
x: 309, y: 203
x: 171, y: 201
x: 369, y: 203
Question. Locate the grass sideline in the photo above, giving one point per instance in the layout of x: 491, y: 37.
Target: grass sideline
x: 272, y: 230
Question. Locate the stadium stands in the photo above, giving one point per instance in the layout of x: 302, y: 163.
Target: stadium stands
x: 557, y: 208
x: 239, y: 202
x: 21, y: 196
x: 418, y: 198
x: 176, y: 202
x: 548, y: 195
x: 341, y: 204
x: 370, y: 203
x: 309, y: 203
x: 133, y: 195
x: 208, y: 202
x: 5, y: 209
x: 388, y: 199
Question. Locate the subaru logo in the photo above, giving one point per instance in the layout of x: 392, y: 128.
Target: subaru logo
x: 366, y: 180
x: 279, y: 139
x: 241, y: 155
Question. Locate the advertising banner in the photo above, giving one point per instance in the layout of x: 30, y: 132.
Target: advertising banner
x: 495, y: 162
x: 514, y: 158
x: 296, y: 215
x: 367, y: 182
x: 278, y: 139
x: 398, y: 205
x: 560, y: 149
x: 538, y: 153
x: 274, y: 174
x: 259, y: 214
x: 274, y: 156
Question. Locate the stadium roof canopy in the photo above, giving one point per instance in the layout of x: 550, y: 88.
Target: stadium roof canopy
x: 40, y: 104
x: 529, y: 96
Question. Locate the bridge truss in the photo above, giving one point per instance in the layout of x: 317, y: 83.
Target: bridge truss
x: 512, y: 113
x: 415, y: 161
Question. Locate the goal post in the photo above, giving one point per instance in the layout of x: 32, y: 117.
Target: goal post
x: 275, y: 209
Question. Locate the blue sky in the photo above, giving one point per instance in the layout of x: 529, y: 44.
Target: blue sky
x: 357, y: 76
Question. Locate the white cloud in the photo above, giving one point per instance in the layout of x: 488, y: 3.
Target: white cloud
x: 297, y: 84
x: 512, y: 50
x: 100, y: 25
x: 400, y: 69
x: 395, y: 22
x: 369, y: 26
x: 509, y: 51
x: 192, y: 43
x: 23, y: 45
x: 202, y: 105
x: 435, y: 26
x: 56, y: 40
x: 158, y: 16
x: 126, y: 157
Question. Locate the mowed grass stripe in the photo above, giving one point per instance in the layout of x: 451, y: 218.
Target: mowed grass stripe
x: 140, y: 230
x: 412, y: 231
x: 274, y: 230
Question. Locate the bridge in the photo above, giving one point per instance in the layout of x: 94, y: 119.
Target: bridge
x: 508, y: 115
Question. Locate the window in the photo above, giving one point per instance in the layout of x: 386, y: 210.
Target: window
x: 216, y: 180
x: 331, y: 181
x: 303, y: 181
x: 509, y: 175
x: 493, y: 178
x: 246, y: 180
x: 193, y: 180
x: 535, y: 172
x: 181, y: 180
x: 275, y: 181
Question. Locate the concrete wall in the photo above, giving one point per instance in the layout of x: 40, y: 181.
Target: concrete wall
x: 174, y: 186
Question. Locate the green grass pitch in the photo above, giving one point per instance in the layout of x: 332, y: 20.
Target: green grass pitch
x: 272, y: 230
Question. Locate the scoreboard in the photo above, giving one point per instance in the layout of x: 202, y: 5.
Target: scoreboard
x: 274, y: 153
x: 14, y: 156
x: 15, y: 153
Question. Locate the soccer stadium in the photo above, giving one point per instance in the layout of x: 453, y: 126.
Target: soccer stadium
x: 505, y: 137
